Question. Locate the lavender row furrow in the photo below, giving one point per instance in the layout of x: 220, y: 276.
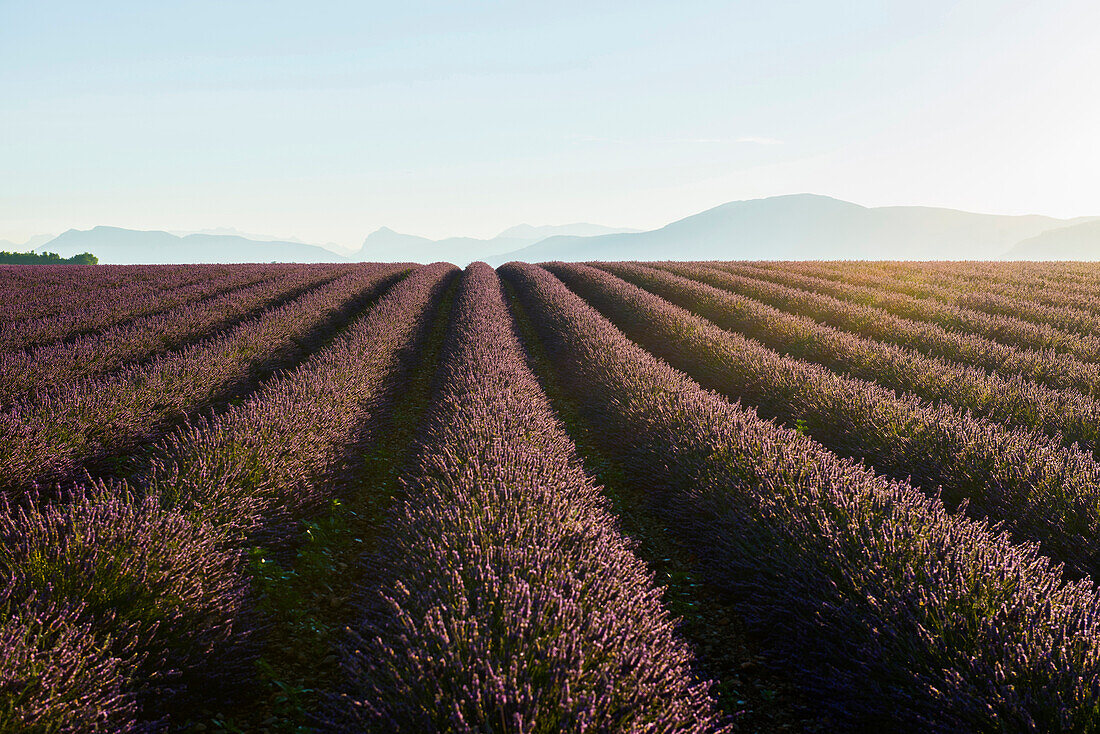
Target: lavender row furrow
x: 48, y: 433
x: 1052, y: 369
x: 895, y: 613
x: 1040, y: 489
x: 133, y: 602
x: 921, y: 279
x: 1041, y: 280
x: 34, y: 291
x: 970, y: 292
x: 281, y: 451
x: 101, y: 309
x: 1013, y: 401
x: 1010, y: 331
x: 507, y: 600
x: 100, y: 352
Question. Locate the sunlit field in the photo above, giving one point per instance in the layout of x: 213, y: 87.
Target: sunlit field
x: 630, y: 497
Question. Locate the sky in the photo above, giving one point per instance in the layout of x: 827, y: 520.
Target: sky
x: 326, y: 120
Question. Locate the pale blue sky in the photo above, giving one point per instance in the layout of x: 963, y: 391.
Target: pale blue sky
x: 325, y: 120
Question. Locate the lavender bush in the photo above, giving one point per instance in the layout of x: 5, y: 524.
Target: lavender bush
x: 154, y: 576
x: 1012, y: 400
x: 897, y: 614
x: 1049, y: 368
x: 507, y: 599
x: 140, y: 338
x: 51, y: 432
x: 1040, y: 489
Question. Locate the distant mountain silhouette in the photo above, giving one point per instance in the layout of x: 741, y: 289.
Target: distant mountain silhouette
x: 793, y: 227
x: 234, y: 232
x: 113, y: 245
x: 30, y: 244
x: 581, y: 229
x: 1076, y: 242
x: 385, y: 245
x: 804, y: 227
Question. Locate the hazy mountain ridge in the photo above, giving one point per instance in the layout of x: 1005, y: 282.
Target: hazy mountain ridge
x: 113, y: 245
x: 792, y: 227
x: 116, y: 245
x: 1075, y: 242
x: 30, y: 244
x: 385, y: 245
x: 805, y: 227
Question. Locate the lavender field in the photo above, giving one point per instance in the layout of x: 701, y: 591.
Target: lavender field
x: 604, y: 497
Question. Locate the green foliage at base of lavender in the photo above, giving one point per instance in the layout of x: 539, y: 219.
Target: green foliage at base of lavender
x: 103, y: 582
x: 54, y: 432
x: 506, y: 598
x: 1012, y: 400
x: 46, y: 258
x: 1040, y: 489
x: 157, y: 575
x: 896, y: 613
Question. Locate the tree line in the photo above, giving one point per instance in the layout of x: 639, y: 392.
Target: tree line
x: 46, y: 258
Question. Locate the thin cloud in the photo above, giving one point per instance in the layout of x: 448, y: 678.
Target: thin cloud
x: 746, y: 140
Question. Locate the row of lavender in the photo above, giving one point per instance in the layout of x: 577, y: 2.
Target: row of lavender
x: 504, y: 598
x: 1040, y: 489
x: 898, y: 613
x: 874, y: 345
x: 45, y: 307
x: 1011, y: 330
x: 1073, y: 307
x: 56, y: 431
x: 1012, y: 400
x: 96, y: 352
x: 31, y: 292
x: 128, y: 604
x: 1057, y: 370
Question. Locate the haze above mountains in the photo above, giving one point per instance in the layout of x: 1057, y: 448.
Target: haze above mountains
x: 793, y: 227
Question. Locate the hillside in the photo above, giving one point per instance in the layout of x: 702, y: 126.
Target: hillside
x: 804, y: 227
x: 127, y: 246
x: 1076, y: 242
x: 386, y: 245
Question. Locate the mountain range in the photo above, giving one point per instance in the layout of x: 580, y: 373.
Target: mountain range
x: 810, y: 227
x: 113, y: 245
x: 792, y: 227
x: 1076, y: 242
x: 28, y: 246
x: 385, y: 245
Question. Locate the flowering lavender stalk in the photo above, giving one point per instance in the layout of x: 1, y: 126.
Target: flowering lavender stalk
x: 1048, y: 368
x: 154, y: 575
x: 1012, y: 400
x: 43, y: 307
x: 261, y: 466
x: 508, y: 600
x: 120, y: 586
x: 1039, y: 488
x: 53, y: 675
x: 108, y: 349
x: 53, y: 432
x: 895, y: 613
